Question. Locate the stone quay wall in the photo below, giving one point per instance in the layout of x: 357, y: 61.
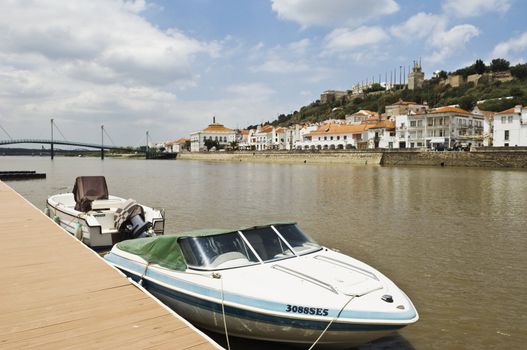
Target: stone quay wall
x: 482, y: 158
x: 371, y: 158
x: 498, y: 158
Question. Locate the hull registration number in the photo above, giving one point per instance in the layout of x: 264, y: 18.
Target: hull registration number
x: 306, y: 310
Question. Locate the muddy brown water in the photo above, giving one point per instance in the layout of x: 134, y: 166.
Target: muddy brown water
x: 454, y: 239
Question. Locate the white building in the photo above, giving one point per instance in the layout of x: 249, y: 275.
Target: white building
x: 267, y: 137
x: 488, y: 124
x: 295, y: 134
x: 510, y: 127
x: 439, y: 128
x: 176, y: 146
x: 216, y: 132
x: 360, y: 116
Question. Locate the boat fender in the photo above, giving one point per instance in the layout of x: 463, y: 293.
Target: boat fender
x: 78, y: 231
x: 56, y: 219
x: 46, y: 211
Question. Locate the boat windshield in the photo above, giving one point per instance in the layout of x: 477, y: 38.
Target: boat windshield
x: 217, y: 251
x: 229, y: 250
x: 298, y: 240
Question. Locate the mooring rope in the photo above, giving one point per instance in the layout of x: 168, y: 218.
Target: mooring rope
x: 330, y: 323
x: 218, y: 276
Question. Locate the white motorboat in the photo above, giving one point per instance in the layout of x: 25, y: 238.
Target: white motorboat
x: 100, y: 220
x: 269, y: 282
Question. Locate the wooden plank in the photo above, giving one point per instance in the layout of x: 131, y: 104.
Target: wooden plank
x: 58, y: 294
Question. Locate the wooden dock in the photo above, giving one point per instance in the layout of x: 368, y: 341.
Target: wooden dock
x: 58, y: 294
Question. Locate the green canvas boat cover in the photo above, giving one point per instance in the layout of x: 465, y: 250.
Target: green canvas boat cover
x: 165, y: 250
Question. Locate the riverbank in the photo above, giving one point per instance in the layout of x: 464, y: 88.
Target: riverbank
x: 488, y: 158
x: 287, y: 157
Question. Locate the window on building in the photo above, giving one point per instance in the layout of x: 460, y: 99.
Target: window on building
x: 319, y: 138
x: 338, y: 137
x: 413, y: 123
x: 325, y: 138
x: 419, y: 123
x: 331, y: 138
x: 503, y: 120
x: 506, y: 138
x: 509, y: 119
x: 345, y: 137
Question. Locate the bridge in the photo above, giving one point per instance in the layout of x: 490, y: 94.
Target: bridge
x: 58, y: 142
x: 52, y: 141
x: 102, y: 147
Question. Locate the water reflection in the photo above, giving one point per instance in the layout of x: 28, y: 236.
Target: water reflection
x: 452, y: 238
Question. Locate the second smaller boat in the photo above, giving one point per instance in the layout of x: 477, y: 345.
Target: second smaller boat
x: 101, y: 220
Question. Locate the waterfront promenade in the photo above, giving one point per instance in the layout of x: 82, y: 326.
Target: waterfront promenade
x: 58, y: 294
x: 484, y: 158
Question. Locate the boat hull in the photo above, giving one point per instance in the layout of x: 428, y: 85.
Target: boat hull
x: 256, y: 325
x: 95, y: 228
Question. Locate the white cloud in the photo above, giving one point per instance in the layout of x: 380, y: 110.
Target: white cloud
x: 433, y: 29
x: 252, y: 91
x: 345, y: 39
x: 106, y: 35
x: 300, y: 46
x: 419, y: 26
x: 281, y: 66
x: 447, y: 43
x: 91, y: 60
x: 332, y: 13
x: 473, y: 8
x: 513, y: 45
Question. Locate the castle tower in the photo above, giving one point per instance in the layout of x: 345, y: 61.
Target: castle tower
x: 416, y: 77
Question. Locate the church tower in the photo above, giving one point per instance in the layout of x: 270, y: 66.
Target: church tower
x: 416, y: 77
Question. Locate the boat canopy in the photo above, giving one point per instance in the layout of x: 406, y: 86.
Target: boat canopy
x: 218, y: 248
x: 87, y: 189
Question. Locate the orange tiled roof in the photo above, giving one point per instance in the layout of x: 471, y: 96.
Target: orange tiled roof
x: 181, y: 140
x: 280, y: 130
x: 401, y: 102
x: 508, y: 111
x: 338, y: 129
x: 266, y: 128
x: 365, y: 112
x: 383, y: 124
x: 449, y: 109
x: 216, y: 127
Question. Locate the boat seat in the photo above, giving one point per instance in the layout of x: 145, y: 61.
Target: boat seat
x: 102, y: 204
x: 220, y: 259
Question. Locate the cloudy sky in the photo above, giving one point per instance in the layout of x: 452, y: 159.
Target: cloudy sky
x: 168, y: 66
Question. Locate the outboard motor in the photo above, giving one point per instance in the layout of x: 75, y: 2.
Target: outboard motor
x: 130, y: 220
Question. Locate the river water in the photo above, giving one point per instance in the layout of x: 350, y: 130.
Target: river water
x: 454, y: 239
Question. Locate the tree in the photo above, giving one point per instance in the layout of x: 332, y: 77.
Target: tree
x: 519, y: 71
x: 499, y: 65
x: 480, y: 67
x: 466, y: 103
x: 234, y: 145
x: 209, y: 143
x: 516, y: 92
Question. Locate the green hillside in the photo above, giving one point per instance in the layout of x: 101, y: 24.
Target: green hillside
x: 434, y: 93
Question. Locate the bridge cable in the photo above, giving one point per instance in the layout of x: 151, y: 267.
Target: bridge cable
x: 109, y: 137
x: 60, y: 132
x: 6, y: 132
